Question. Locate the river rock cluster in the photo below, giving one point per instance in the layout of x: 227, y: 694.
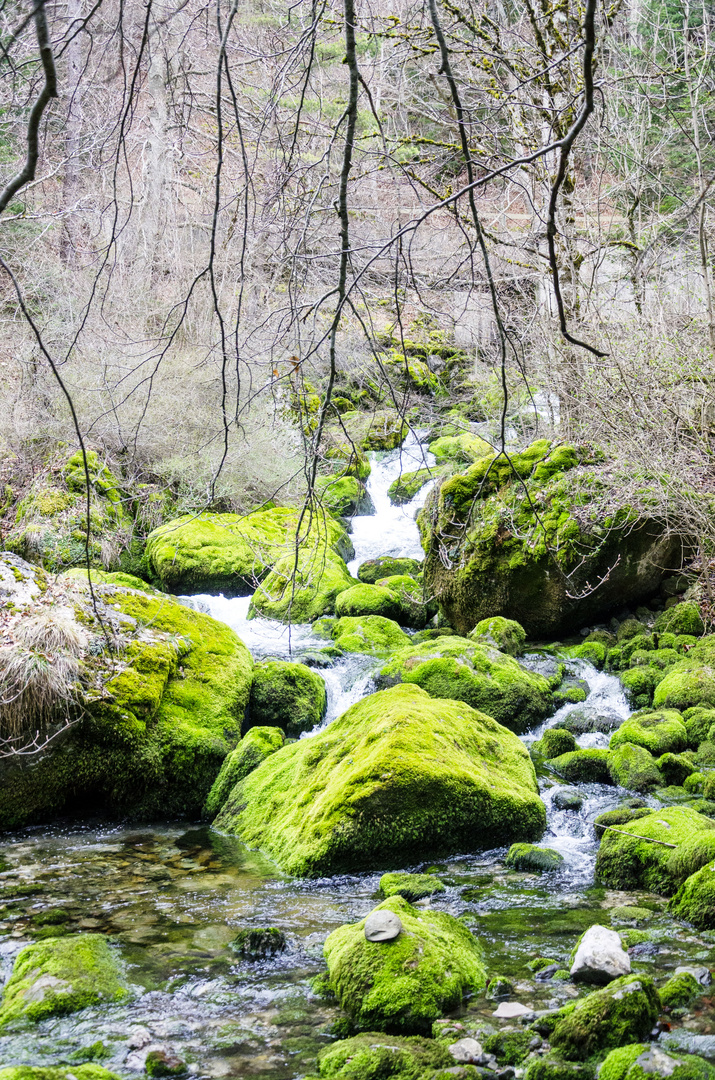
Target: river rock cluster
x: 144, y: 706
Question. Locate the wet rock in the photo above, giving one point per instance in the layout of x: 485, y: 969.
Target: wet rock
x: 374, y: 1054
x: 257, y: 943
x: 57, y: 1072
x: 164, y: 1063
x: 547, y: 972
x: 466, y: 1051
x: 499, y: 987
x: 623, y: 1011
x: 410, y: 886
x: 382, y: 926
x: 255, y: 746
x: 386, y: 566
x: 511, y: 1010
x: 567, y: 799
x: 531, y: 857
x: 588, y: 719
x: 599, y: 957
x: 583, y: 767
x: 553, y: 742
x: 639, y: 1060
x: 703, y: 975
x: 686, y: 842
x: 679, y: 991
x: 287, y: 695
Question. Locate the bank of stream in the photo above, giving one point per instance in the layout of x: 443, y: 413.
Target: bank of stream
x: 173, y: 896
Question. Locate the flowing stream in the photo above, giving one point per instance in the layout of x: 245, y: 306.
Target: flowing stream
x: 173, y: 896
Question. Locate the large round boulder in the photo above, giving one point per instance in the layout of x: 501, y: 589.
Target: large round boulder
x: 525, y: 537
x: 287, y: 695
x: 398, y: 777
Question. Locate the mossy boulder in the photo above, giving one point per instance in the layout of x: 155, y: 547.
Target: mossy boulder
x: 503, y: 634
x: 398, y: 775
x: 592, y: 651
x: 344, y: 495
x: 301, y: 592
x: 367, y: 600
x: 372, y: 634
x: 622, y: 1012
x: 509, y: 1047
x: 375, y: 1055
x: 679, y: 991
x: 255, y: 746
x: 230, y: 553
x: 404, y: 985
x: 410, y: 887
x: 675, y: 769
x: 639, y: 1061
x: 155, y: 716
x: 628, y: 858
x: 583, y: 767
x: 454, y: 667
x: 553, y: 743
x: 688, y: 684
x: 372, y: 570
x: 490, y: 554
x: 639, y: 684
x: 699, y: 723
x: 684, y: 618
x: 532, y: 858
x: 659, y: 732
x: 462, y: 449
x: 287, y: 695
x: 59, y: 976
x: 407, y: 485
x: 633, y: 767
x: 413, y: 608
x: 57, y: 1072
x: 553, y: 1067
x: 379, y: 429
x: 255, y: 943
x: 695, y: 900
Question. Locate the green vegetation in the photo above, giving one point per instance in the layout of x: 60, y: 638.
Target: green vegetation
x: 410, y: 886
x: 626, y: 862
x: 375, y: 1055
x: 530, y: 857
x: 287, y: 695
x: 255, y: 746
x: 623, y: 1011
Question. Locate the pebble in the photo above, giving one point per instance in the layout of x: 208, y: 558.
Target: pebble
x: 382, y: 926
x: 509, y: 1010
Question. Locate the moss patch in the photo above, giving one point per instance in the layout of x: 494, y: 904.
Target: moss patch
x: 410, y: 886
x: 695, y: 900
x: 253, y: 748
x: 625, y: 861
x: 287, y: 695
x: 368, y: 634
x: 379, y: 1057
x: 530, y: 857
x: 623, y: 1011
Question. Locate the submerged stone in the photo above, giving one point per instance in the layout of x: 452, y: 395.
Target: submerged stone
x: 530, y: 857
x: 255, y: 943
x: 398, y: 775
x: 405, y: 984
x: 567, y: 799
x: 161, y: 1063
x: 59, y: 976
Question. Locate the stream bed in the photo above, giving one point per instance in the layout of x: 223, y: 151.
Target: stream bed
x: 174, y: 895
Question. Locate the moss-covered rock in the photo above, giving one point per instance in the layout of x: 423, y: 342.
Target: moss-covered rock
x: 639, y: 684
x: 659, y: 732
x: 462, y: 449
x: 628, y: 859
x: 633, y: 767
x: 553, y: 743
x: 404, y: 489
x: 503, y: 634
x: 699, y: 722
x: 57, y: 1072
x: 489, y: 554
x: 679, y: 991
x: 255, y: 746
x: 675, y: 768
x: 532, y: 858
x: 622, y: 1012
x: 592, y: 651
x: 413, y: 608
x: 682, y: 618
x: 344, y: 495
x: 453, y: 667
x: 61, y: 975
x: 287, y: 695
x: 583, y: 767
x: 410, y: 887
x: 689, y: 683
x: 304, y: 591
x: 553, y: 1067
x: 695, y: 900
x: 639, y: 1061
x: 373, y: 570
x: 372, y: 634
x: 379, y: 429
x: 156, y: 715
x: 398, y: 775
x: 405, y: 984
x: 375, y: 1055
x: 367, y: 600
x: 255, y: 943
x: 509, y: 1047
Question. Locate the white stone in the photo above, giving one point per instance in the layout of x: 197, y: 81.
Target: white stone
x: 656, y: 1061
x: 466, y: 1051
x: 509, y: 1010
x: 382, y: 926
x: 600, y: 957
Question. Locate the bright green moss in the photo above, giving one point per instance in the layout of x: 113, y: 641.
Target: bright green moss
x: 592, y: 651
x: 619, y: 1061
x: 464, y: 670
x: 532, y: 858
x: 104, y: 577
x: 642, y: 1062
x: 379, y: 429
x: 304, y: 594
x: 375, y: 1056
x: 639, y: 684
x: 372, y: 570
x: 695, y: 900
x: 555, y: 1068
x: 341, y: 495
x: 403, y: 985
x: 100, y: 477
x: 686, y: 685
x: 583, y: 767
x: 553, y: 743
x: 682, y: 618
x: 633, y: 767
x: 503, y: 634
x: 679, y: 991
x: 509, y: 1047
x: 368, y: 634
x: 404, y: 489
x: 675, y: 768
x: 410, y: 887
x: 367, y: 600
x: 625, y: 861
x: 462, y: 449
x: 59, y: 976
x: 624, y: 1010
x: 698, y: 723
x: 413, y: 610
x: 57, y: 1072
x: 287, y: 695
x: 397, y: 776
x: 255, y: 746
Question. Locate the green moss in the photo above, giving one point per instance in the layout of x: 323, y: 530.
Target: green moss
x: 100, y: 477
x: 695, y: 899
x: 623, y: 1011
x: 368, y: 634
x: 57, y: 1072
x: 405, y: 984
x: 404, y: 489
x: 698, y: 723
x: 554, y: 742
x: 367, y: 600
x: 686, y: 685
x: 59, y: 976
x: 413, y: 609
x: 304, y: 594
x: 625, y: 861
x: 530, y: 857
x: 679, y: 991
x: 462, y: 449
x: 675, y: 768
x: 583, y: 767
x: 503, y: 634
x: 104, y: 577
x: 682, y: 618
x: 256, y: 943
x: 374, y: 1056
x: 256, y: 745
x: 373, y: 570
x: 594, y: 652
x: 633, y: 767
x: 398, y: 775
x: 342, y: 495
x: 554, y: 1068
x: 380, y: 429
x: 287, y: 695
x: 639, y: 684
x: 453, y: 667
x: 509, y: 1047
x: 620, y: 815
x: 640, y: 1061
x: 410, y: 886
x: 159, y: 1063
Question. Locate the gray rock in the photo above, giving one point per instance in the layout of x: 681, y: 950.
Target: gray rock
x: 656, y: 1061
x: 509, y: 1010
x: 466, y: 1051
x: 567, y: 799
x: 702, y: 975
x: 586, y: 719
x: 382, y: 926
x: 600, y: 957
